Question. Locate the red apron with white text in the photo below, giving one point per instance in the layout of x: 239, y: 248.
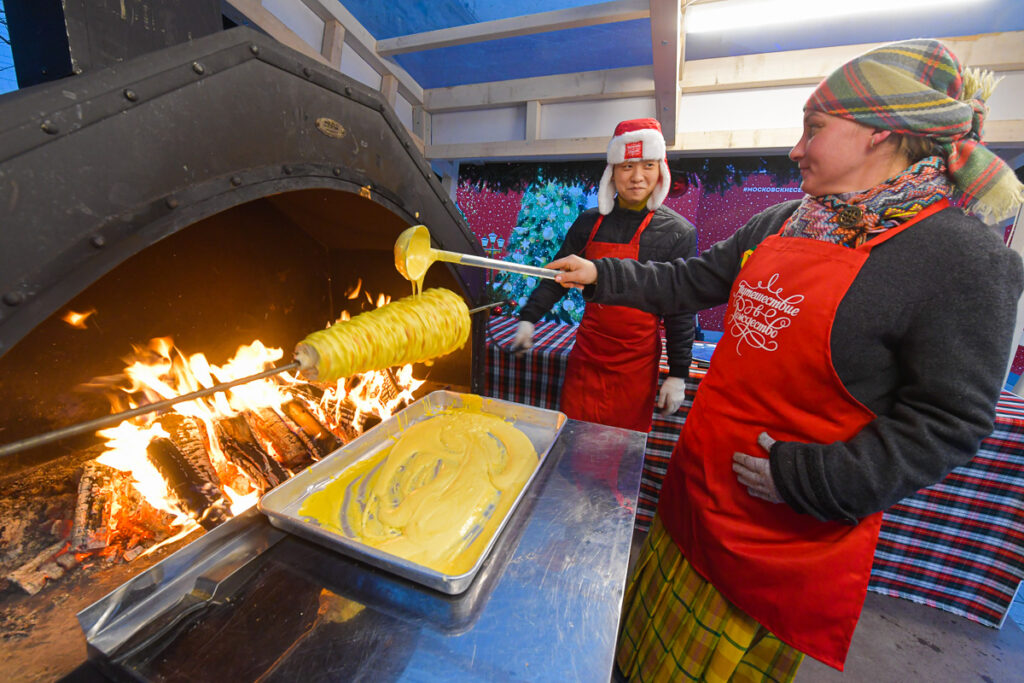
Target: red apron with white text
x: 611, y: 374
x: 802, y: 579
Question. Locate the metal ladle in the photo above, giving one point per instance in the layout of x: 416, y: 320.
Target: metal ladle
x: 413, y: 256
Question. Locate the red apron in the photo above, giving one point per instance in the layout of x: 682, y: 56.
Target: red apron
x: 611, y: 375
x: 802, y: 579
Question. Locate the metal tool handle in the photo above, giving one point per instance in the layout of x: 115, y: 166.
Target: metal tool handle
x: 494, y: 264
x: 118, y: 418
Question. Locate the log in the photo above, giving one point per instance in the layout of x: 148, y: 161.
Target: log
x: 324, y: 441
x: 241, y: 448
x: 289, y: 443
x: 190, y: 436
x: 189, y: 486
x: 136, y: 520
x: 89, y: 531
x: 32, y: 576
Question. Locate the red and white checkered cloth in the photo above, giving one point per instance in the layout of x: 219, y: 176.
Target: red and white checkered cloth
x: 957, y: 545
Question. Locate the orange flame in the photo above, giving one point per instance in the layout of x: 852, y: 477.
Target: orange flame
x: 160, y: 371
x: 77, y: 320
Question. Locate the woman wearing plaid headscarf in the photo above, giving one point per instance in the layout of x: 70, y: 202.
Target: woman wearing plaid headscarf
x: 866, y: 342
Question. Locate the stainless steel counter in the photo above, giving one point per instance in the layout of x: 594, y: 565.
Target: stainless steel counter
x: 247, y: 601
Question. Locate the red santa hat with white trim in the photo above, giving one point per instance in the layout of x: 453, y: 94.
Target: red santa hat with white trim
x: 635, y: 140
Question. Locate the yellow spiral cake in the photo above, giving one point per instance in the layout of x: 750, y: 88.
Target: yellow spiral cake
x: 409, y: 330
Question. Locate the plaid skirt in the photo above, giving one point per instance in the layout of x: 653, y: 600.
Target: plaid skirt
x: 677, y: 627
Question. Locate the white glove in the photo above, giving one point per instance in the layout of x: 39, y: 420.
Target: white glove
x: 671, y: 395
x: 523, y: 339
x: 755, y: 474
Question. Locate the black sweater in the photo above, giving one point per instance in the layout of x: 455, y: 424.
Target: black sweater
x: 922, y: 338
x: 669, y: 236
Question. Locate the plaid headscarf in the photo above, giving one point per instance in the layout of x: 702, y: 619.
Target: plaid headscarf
x: 918, y: 87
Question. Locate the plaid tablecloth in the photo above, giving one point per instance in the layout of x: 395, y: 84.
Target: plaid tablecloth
x: 957, y: 545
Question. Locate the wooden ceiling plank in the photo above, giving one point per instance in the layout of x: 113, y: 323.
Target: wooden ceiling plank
x: 629, y: 82
x: 529, y: 24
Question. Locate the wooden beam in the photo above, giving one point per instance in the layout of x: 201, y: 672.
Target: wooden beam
x: 533, y: 121
x: 635, y: 81
x: 364, y: 44
x: 275, y: 28
x: 421, y: 124
x: 558, y: 20
x: 996, y: 51
x: 334, y: 39
x: 389, y: 88
x: 567, y: 148
x: 666, y: 46
x: 688, y: 143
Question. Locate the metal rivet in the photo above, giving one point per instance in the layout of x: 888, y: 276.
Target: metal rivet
x: 14, y: 298
x: 236, y: 181
x: 255, y: 49
x: 98, y: 241
x: 172, y: 203
x: 307, y: 72
x: 130, y: 94
x: 348, y: 90
x: 405, y: 143
x: 849, y: 216
x: 287, y: 170
x: 337, y: 170
x: 50, y: 127
x: 198, y: 68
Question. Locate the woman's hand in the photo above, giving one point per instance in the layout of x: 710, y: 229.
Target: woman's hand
x: 576, y: 271
x: 755, y: 474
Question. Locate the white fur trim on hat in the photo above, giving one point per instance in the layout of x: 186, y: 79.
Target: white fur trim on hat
x: 639, y: 140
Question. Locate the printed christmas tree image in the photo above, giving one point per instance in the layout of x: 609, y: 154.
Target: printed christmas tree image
x: 547, y: 211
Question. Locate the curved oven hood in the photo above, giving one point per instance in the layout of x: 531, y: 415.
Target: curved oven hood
x: 97, y: 167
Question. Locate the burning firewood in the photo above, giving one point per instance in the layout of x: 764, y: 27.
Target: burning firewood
x: 242, y: 449
x: 111, y: 516
x: 293, y: 448
x: 324, y: 441
x: 32, y: 576
x: 190, y: 436
x: 89, y: 530
x: 190, y: 487
x: 136, y: 521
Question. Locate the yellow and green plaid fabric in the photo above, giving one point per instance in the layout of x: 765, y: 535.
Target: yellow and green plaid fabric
x: 677, y: 627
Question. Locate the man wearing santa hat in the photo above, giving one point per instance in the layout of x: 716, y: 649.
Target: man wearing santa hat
x: 612, y: 371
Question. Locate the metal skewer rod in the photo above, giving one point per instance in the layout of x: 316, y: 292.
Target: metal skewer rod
x: 478, y: 309
x: 117, y: 418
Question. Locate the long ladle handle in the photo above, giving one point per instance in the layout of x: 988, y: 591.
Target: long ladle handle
x: 493, y: 264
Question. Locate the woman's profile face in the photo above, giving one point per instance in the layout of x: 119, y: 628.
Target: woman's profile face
x: 831, y: 155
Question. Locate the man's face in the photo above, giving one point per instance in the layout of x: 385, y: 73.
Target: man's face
x: 636, y: 180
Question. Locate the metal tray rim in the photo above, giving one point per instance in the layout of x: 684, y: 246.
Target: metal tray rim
x: 447, y: 583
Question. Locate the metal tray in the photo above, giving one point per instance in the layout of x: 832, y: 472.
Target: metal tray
x: 282, y: 504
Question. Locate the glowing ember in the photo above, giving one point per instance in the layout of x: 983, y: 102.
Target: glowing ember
x: 77, y: 320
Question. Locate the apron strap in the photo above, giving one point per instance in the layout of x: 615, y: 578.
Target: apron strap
x: 635, y: 242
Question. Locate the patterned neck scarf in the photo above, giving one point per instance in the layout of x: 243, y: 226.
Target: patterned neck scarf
x: 918, y: 87
x: 851, y: 218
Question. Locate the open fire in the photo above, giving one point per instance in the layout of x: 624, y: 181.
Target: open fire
x: 163, y: 476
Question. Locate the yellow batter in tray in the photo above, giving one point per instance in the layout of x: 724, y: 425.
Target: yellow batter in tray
x: 437, y: 495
